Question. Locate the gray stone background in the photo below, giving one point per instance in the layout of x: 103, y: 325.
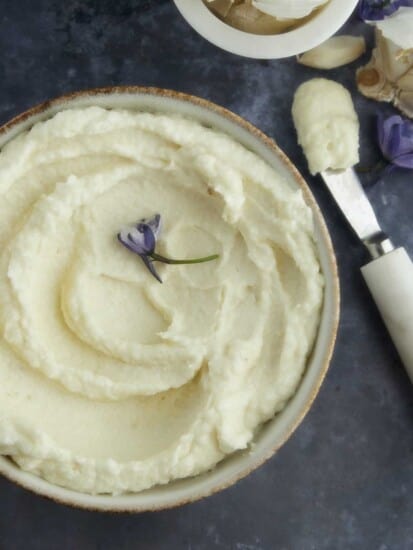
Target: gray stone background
x: 345, y: 479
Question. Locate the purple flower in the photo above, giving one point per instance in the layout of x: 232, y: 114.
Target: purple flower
x: 141, y: 239
x: 396, y: 140
x: 374, y: 10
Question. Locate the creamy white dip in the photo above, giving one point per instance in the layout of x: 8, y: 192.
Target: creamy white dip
x: 327, y: 125
x: 110, y: 381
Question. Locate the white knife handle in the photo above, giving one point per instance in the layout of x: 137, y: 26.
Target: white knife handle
x: 390, y: 280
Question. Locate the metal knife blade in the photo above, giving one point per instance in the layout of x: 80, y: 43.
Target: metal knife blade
x: 348, y: 193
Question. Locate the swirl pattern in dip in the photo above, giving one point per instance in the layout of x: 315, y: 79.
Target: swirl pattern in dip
x: 109, y: 381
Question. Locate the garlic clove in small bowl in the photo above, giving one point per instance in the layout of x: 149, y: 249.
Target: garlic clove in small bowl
x: 320, y: 25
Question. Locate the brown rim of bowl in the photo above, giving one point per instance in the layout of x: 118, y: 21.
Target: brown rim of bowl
x: 270, y: 144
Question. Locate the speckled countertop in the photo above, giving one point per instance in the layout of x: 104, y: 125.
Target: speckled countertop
x: 345, y: 479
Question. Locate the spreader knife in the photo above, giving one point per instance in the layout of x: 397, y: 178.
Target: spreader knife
x: 389, y: 275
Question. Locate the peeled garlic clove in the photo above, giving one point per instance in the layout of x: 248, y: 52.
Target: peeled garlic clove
x: 335, y: 52
x: 404, y: 102
x: 287, y: 9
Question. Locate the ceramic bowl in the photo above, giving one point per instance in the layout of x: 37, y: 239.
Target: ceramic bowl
x: 276, y: 431
x: 323, y: 25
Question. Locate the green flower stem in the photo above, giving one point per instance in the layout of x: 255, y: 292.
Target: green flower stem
x: 159, y: 258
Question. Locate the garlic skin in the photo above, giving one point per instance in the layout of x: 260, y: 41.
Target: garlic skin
x: 327, y: 125
x: 221, y: 7
x: 245, y: 17
x: 388, y: 76
x: 334, y: 52
x: 398, y: 28
x: 288, y: 9
x: 253, y: 16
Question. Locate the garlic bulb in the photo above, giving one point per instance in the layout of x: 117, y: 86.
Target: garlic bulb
x: 389, y: 74
x: 334, y: 52
x: 288, y: 9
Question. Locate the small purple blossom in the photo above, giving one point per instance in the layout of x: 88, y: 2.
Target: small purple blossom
x: 396, y: 140
x: 141, y: 239
x: 375, y: 10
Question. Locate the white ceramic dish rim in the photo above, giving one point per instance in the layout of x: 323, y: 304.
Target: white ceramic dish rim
x: 277, y: 431
x: 297, y: 41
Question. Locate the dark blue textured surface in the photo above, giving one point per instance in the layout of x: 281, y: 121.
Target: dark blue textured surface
x: 345, y: 479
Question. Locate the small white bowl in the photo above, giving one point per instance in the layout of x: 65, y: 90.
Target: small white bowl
x: 276, y: 431
x: 311, y: 34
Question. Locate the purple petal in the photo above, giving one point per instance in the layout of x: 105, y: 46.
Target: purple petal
x: 139, y: 242
x: 141, y: 239
x: 155, y: 224
x: 149, y: 264
x: 124, y: 238
x: 406, y: 137
x: 395, y: 136
x: 144, y: 237
x: 386, y: 125
x: 392, y: 145
x: 375, y: 10
x: 404, y: 161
